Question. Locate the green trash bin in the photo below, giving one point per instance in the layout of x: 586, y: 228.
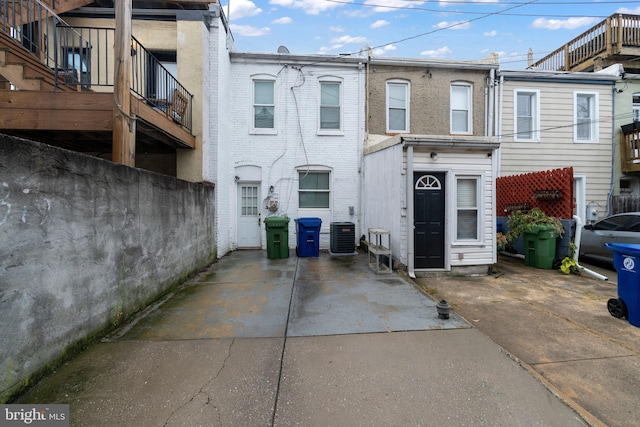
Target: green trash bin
x: 277, y: 228
x: 540, y: 246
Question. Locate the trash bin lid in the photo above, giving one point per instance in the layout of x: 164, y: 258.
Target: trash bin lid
x: 276, y: 221
x: 309, y: 222
x: 625, y: 248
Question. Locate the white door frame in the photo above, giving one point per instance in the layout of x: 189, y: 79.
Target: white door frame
x: 249, y: 220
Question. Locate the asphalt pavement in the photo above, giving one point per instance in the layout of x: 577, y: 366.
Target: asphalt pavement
x: 323, y: 341
x: 558, y: 327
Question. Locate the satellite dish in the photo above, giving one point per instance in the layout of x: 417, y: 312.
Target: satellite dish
x: 283, y: 49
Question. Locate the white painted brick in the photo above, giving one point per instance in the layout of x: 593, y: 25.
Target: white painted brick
x: 296, y: 143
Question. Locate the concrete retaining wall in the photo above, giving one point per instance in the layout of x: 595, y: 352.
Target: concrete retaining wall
x: 84, y: 243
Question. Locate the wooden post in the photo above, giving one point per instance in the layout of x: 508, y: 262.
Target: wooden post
x: 124, y: 124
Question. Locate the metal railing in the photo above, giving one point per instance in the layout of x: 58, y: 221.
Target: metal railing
x: 153, y: 82
x: 36, y: 27
x: 84, y: 56
x: 609, y: 36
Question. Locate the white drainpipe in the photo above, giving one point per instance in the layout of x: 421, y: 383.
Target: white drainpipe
x: 579, y: 225
x: 410, y: 225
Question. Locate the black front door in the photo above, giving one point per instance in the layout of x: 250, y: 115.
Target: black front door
x: 428, y: 215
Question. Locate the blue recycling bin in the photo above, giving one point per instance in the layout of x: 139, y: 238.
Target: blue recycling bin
x: 626, y: 260
x: 308, y: 237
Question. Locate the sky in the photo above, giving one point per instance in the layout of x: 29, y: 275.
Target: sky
x: 437, y: 29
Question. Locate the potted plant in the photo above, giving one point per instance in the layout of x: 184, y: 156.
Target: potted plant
x: 539, y: 232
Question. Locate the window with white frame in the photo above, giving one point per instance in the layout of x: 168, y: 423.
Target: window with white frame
x: 636, y: 107
x: 264, y: 104
x: 586, y: 117
x: 397, y: 106
x: 467, y: 208
x: 461, y: 117
x: 313, y: 189
x: 330, y: 110
x: 527, y: 115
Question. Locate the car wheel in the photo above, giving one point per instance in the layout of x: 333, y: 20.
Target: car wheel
x: 617, y: 308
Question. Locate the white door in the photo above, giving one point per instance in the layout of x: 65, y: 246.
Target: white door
x: 249, y: 221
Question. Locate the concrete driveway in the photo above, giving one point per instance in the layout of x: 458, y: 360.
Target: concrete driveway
x: 299, y: 341
x: 559, y: 327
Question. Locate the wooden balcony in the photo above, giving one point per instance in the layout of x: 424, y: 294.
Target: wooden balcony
x: 57, y: 87
x: 616, y: 40
x: 629, y: 153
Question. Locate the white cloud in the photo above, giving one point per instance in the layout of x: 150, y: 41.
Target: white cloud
x: 455, y: 25
x: 635, y: 11
x: 249, y: 31
x: 445, y: 3
x: 565, y: 24
x: 348, y: 39
x: 242, y: 9
x: 283, y: 20
x: 437, y: 53
x: 379, y: 24
x: 393, y: 5
x: 326, y: 50
x: 310, y: 7
x: 491, y: 33
x: 381, y: 51
x: 336, y: 29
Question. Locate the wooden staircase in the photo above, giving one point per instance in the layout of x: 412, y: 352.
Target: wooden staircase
x: 25, y: 72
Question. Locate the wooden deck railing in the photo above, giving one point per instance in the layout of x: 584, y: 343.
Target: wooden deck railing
x: 607, y: 38
x: 629, y: 150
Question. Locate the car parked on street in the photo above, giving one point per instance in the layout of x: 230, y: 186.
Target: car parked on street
x: 619, y: 228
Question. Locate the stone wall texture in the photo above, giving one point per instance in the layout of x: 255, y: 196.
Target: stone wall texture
x: 84, y: 243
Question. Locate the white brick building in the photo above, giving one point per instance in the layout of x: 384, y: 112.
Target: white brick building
x: 287, y: 133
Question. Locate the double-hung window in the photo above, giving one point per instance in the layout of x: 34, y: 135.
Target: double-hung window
x: 527, y: 115
x: 467, y: 208
x: 586, y: 117
x: 264, y: 107
x: 330, y: 106
x: 461, y: 112
x: 397, y: 106
x: 313, y: 189
x: 636, y: 107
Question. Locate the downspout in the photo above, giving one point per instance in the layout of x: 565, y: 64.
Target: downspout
x: 576, y: 240
x: 613, y: 151
x: 410, y: 225
x: 489, y: 132
x: 499, y: 124
x: 361, y: 125
x: 491, y: 106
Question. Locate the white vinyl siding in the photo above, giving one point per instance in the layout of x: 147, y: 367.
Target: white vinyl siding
x: 527, y: 115
x: 585, y: 109
x: 398, y: 106
x: 556, y: 147
x: 461, y: 113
